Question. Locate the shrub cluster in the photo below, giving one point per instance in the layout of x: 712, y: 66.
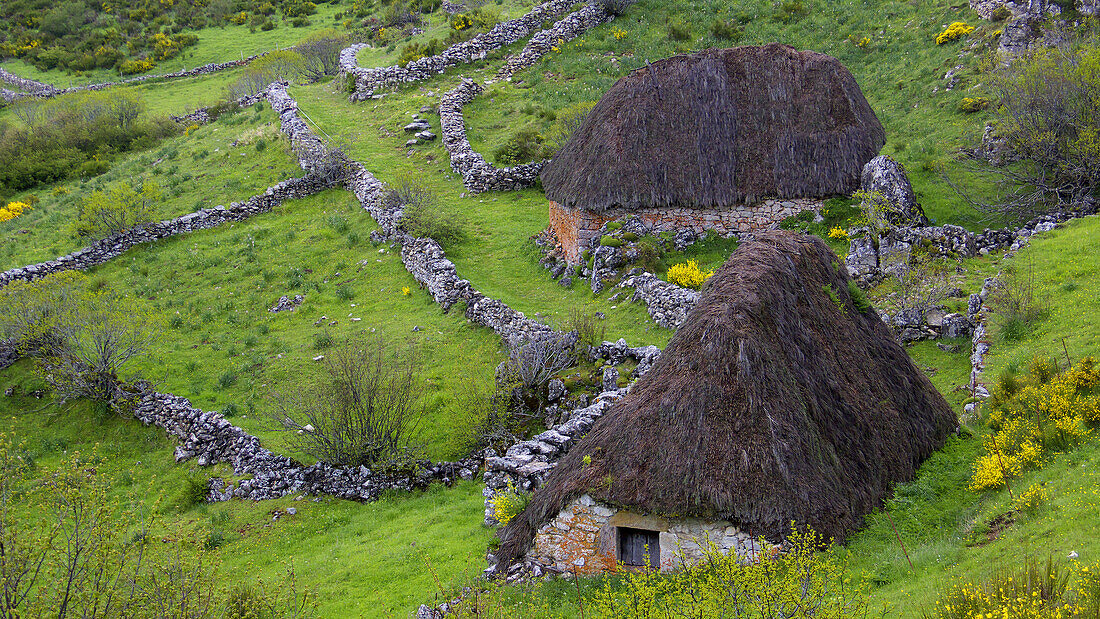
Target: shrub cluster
x: 688, y: 274
x: 12, y: 210
x: 73, y: 136
x: 1033, y: 414
x: 956, y: 30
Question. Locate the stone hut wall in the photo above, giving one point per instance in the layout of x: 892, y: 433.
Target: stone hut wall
x: 583, y: 538
x: 577, y: 228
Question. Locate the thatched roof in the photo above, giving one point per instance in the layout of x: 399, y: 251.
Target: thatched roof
x: 771, y: 403
x: 717, y: 128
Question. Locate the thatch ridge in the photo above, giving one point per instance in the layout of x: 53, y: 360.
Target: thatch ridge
x: 717, y: 128
x: 773, y: 402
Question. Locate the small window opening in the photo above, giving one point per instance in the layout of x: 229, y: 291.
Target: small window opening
x: 639, y: 547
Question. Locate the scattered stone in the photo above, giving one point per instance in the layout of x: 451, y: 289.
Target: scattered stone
x: 285, y: 304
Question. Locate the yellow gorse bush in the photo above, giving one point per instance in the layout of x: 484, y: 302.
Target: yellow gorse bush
x: 688, y: 274
x: 956, y: 30
x: 801, y: 581
x: 13, y: 210
x: 1039, y: 591
x: 508, y: 504
x: 836, y: 232
x: 1036, y: 413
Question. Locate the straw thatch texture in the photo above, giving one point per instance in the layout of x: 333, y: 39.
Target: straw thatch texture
x: 717, y: 128
x: 770, y: 404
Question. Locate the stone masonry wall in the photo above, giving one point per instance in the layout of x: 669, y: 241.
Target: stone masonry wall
x: 580, y: 228
x: 583, y: 538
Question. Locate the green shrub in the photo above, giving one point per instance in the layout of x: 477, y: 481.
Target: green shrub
x: 859, y: 298
x: 679, y: 31
x: 614, y: 225
x: 423, y: 215
x: 725, y: 30
x: 524, y: 146
x: 790, y: 11
x: 610, y: 241
x: 629, y: 237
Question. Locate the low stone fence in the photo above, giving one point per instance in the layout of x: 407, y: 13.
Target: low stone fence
x: 870, y: 259
x: 210, y: 438
x: 668, y: 304
x: 44, y: 91
x: 572, y: 26
x: 310, y: 150
x: 478, y: 175
x: 477, y: 48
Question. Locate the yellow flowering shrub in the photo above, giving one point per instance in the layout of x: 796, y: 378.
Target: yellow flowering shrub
x: 619, y: 34
x: 1031, y: 498
x: 955, y: 31
x: 1039, y: 591
x: 508, y: 504
x: 836, y: 232
x: 406, y: 291
x: 141, y: 65
x: 1043, y: 410
x: 13, y: 210
x: 801, y: 581
x: 688, y: 274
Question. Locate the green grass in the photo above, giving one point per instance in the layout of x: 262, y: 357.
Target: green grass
x: 1064, y: 263
x: 197, y: 170
x: 372, y: 560
x: 497, y: 257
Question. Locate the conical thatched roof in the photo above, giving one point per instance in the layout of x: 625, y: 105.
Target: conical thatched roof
x: 719, y: 127
x: 773, y: 402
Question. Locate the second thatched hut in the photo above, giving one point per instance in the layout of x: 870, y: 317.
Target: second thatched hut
x: 781, y: 398
x: 732, y: 140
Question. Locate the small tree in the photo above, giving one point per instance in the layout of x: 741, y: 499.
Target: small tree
x: 117, y: 209
x: 321, y: 51
x: 363, y: 411
x: 533, y: 361
x: 423, y: 216
x: 1050, y: 120
x: 80, y: 338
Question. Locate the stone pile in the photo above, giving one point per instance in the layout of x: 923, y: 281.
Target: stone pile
x: 668, y: 304
x: 421, y: 131
x: 477, y: 48
x: 286, y: 304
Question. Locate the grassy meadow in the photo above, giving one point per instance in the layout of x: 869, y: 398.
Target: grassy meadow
x: 220, y: 346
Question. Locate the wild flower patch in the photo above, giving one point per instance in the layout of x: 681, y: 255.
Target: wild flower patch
x: 956, y: 30
x: 1035, y: 414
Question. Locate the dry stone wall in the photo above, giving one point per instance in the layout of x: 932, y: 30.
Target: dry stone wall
x: 45, y: 91
x: 310, y: 151
x: 478, y: 175
x: 477, y: 48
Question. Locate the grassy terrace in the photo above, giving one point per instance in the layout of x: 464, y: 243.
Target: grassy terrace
x: 221, y: 348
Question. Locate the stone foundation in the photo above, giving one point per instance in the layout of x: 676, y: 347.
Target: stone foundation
x: 577, y: 228
x: 583, y: 538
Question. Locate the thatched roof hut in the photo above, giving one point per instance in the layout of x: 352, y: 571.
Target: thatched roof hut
x: 777, y: 400
x: 717, y: 128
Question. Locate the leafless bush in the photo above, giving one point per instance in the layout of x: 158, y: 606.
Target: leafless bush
x: 363, y: 411
x: 321, y: 51
x: 334, y: 167
x: 534, y: 361
x: 1050, y: 121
